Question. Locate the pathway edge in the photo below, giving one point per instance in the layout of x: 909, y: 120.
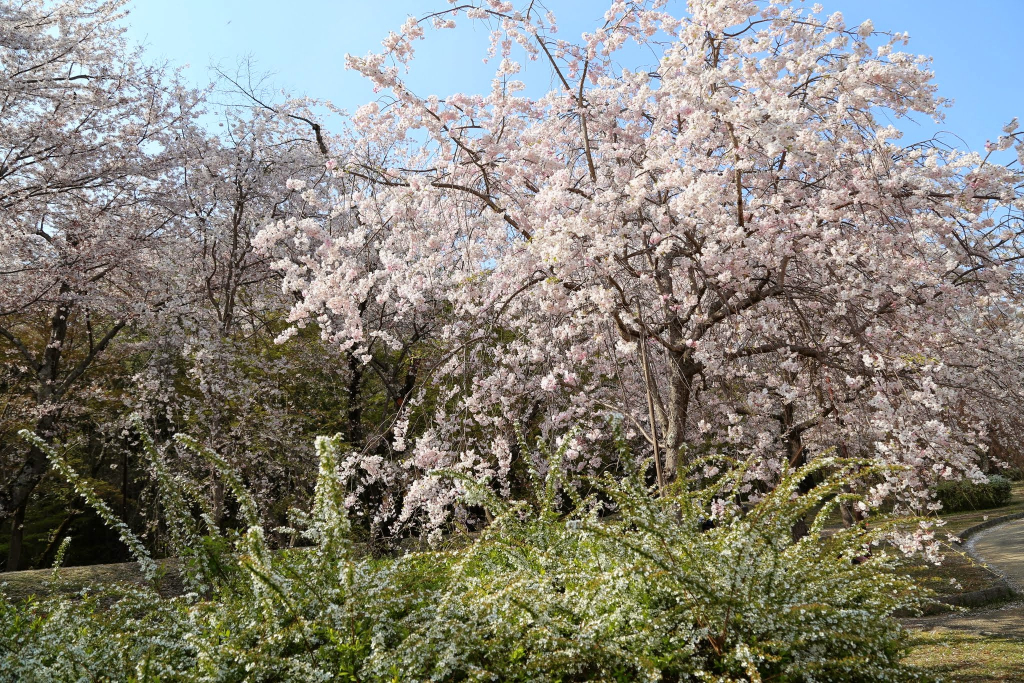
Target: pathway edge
x: 1002, y: 588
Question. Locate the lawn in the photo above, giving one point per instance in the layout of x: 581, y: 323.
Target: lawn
x: 968, y: 658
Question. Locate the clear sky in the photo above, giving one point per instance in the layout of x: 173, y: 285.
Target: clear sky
x: 977, y: 46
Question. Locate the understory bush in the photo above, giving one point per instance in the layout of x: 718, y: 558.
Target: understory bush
x: 957, y: 496
x: 1014, y: 473
x: 625, y: 586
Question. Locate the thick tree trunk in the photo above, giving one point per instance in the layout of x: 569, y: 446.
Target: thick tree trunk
x: 15, y: 493
x: 124, y: 485
x: 681, y: 371
x: 797, y: 456
x: 49, y: 392
x: 217, y: 510
x: 851, y: 515
x: 355, y: 434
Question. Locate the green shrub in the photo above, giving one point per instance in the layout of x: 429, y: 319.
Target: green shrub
x: 1014, y: 473
x: 649, y: 596
x: 957, y: 496
x: 540, y: 595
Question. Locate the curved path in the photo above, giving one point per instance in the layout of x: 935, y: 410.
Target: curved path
x: 1002, y: 549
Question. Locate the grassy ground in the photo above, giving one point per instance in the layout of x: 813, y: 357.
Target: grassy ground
x: 967, y: 657
x: 23, y: 584
x: 979, y: 646
x: 958, y: 571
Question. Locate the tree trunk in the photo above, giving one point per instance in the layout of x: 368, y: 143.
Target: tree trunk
x: 681, y: 371
x: 355, y: 406
x: 797, y: 456
x: 49, y: 392
x: 57, y: 537
x: 17, y: 535
x: 14, y: 495
x: 124, y: 486
x: 851, y: 515
x: 217, y: 501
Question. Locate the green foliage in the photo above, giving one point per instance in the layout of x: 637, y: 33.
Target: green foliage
x: 957, y: 496
x: 1014, y: 473
x: 639, y: 594
x: 88, y: 493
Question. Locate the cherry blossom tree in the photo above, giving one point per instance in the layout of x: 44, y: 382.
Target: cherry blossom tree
x: 729, y: 247
x: 88, y: 139
x: 216, y: 373
x: 383, y: 367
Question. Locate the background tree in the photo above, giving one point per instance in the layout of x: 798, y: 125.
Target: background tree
x: 220, y: 376
x: 88, y: 139
x: 727, y: 246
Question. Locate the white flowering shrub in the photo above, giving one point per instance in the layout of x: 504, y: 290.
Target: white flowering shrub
x: 650, y: 594
x: 627, y: 586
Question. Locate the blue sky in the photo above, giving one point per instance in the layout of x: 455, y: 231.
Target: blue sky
x: 976, y: 47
